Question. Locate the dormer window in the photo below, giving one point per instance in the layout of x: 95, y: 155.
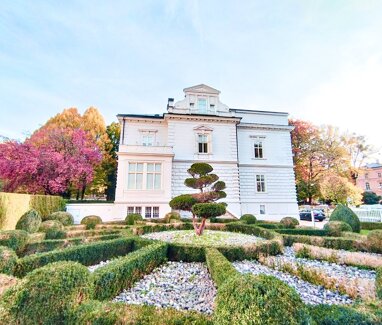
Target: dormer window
x: 202, y: 105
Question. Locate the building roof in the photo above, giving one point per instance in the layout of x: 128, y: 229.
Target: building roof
x: 155, y: 116
x: 373, y: 165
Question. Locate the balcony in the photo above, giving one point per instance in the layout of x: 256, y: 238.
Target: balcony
x: 146, y: 150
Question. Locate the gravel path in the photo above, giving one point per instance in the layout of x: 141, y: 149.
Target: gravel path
x: 92, y: 268
x: 309, y: 293
x: 209, y: 237
x: 329, y: 268
x: 184, y: 286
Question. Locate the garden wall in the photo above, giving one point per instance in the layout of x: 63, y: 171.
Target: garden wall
x: 14, y: 205
x: 107, y: 211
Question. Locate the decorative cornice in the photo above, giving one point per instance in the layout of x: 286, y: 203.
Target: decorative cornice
x: 259, y: 126
x: 266, y: 166
x: 190, y: 161
x: 202, y: 118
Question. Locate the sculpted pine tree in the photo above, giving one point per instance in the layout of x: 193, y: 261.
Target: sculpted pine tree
x: 202, y: 204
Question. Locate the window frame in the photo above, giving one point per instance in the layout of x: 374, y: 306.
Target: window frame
x: 262, y: 209
x: 367, y: 186
x: 145, y: 174
x: 263, y: 181
x: 258, y: 139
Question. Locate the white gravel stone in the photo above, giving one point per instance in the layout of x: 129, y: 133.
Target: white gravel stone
x: 92, y: 268
x: 184, y: 286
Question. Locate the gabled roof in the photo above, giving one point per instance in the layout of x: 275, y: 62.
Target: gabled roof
x: 202, y: 88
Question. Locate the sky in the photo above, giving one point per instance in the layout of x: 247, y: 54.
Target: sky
x: 318, y: 60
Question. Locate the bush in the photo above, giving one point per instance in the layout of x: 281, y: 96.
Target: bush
x: 30, y: 221
x: 8, y: 260
x: 131, y: 218
x: 270, y: 225
x: 328, y: 242
x: 378, y: 283
x: 51, y: 224
x: 64, y: 217
x: 123, y: 272
x: 345, y: 214
x: 14, y: 239
x: 219, y: 267
x: 47, y: 204
x: 374, y: 240
x: 49, y: 294
x: 55, y: 234
x: 259, y: 300
x: 248, y: 219
x: 171, y: 216
x: 335, y: 228
x: 371, y: 225
x: 302, y: 231
x: 91, y: 221
x: 208, y: 210
x: 338, y: 315
x: 289, y: 222
x: 88, y: 254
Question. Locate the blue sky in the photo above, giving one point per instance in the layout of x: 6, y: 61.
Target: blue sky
x: 317, y: 60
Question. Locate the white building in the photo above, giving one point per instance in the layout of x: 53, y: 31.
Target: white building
x: 249, y: 150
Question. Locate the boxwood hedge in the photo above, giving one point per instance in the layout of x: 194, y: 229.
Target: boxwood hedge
x: 14, y: 239
x: 219, y: 267
x: 306, y: 232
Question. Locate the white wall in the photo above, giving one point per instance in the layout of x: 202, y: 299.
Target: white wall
x: 107, y: 211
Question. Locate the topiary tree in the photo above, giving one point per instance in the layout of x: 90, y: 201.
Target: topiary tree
x: 345, y: 214
x: 289, y: 222
x: 132, y: 218
x: 203, y: 204
x: 91, y: 221
x: 64, y: 217
x: 335, y: 228
x: 30, y: 221
x: 248, y: 218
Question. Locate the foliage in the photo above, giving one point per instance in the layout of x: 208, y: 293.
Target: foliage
x: 183, y: 202
x: 64, y: 217
x: 345, y: 214
x: 46, y: 204
x: 132, y: 218
x: 335, y: 228
x: 171, y: 216
x: 14, y: 239
x: 30, y: 221
x: 219, y: 267
x: 121, y: 273
x: 51, y: 224
x: 374, y: 240
x: 270, y: 225
x: 259, y: 300
x: 338, y: 315
x: 248, y: 219
x: 289, y: 222
x: 378, y: 283
x: 328, y: 242
x: 370, y: 198
x: 371, y: 225
x: 109, y: 164
x: 221, y: 220
x: 49, y: 294
x: 91, y: 221
x: 54, y: 233
x: 302, y: 231
x: 208, y: 210
x: 85, y: 254
x: 8, y: 260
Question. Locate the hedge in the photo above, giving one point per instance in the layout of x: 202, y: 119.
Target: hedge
x: 251, y: 230
x: 51, y: 244
x: 121, y: 273
x: 371, y: 225
x: 48, y: 295
x: 8, y: 260
x: 14, y: 239
x: 270, y: 225
x: 110, y: 313
x: 306, y: 232
x: 378, y: 283
x: 47, y: 204
x: 91, y: 233
x: 219, y: 267
x: 85, y: 254
x: 140, y: 230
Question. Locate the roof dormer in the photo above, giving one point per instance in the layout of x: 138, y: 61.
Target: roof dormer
x: 200, y: 100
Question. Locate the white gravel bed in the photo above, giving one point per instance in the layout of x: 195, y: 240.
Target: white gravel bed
x: 184, y: 286
x: 309, y: 293
x: 209, y: 237
x: 92, y: 268
x: 333, y: 269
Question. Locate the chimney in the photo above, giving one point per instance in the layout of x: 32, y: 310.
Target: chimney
x: 170, y: 103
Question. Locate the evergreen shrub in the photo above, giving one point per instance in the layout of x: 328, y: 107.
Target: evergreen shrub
x: 91, y: 221
x: 14, y: 239
x: 219, y: 267
x: 64, y: 217
x: 132, y: 218
x: 335, y: 228
x: 172, y: 216
x: 30, y: 221
x: 248, y: 219
x: 345, y: 214
x: 289, y: 222
x: 51, y: 224
x: 8, y: 260
x: 374, y: 240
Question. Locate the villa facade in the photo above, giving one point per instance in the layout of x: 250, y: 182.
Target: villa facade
x: 249, y: 150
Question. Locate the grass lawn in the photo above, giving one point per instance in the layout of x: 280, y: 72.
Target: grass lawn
x: 364, y: 232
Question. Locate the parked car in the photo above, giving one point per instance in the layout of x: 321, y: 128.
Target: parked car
x: 319, y: 215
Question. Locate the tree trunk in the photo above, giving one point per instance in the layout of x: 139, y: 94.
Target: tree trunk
x: 199, y: 228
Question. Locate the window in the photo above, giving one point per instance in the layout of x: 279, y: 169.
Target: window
x: 367, y: 186
x: 379, y: 174
x: 144, y: 176
x: 153, y: 179
x: 262, y: 209
x: 202, y: 143
x: 258, y: 149
x: 202, y: 105
x: 135, y: 177
x: 151, y: 212
x: 148, y: 139
x: 148, y: 212
x: 260, y: 183
x: 131, y: 210
x: 380, y: 184
x: 366, y: 175
x: 191, y: 105
x: 155, y: 212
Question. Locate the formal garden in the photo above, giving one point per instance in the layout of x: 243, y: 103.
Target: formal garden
x: 202, y: 270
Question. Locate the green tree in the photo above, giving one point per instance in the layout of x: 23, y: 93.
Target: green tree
x: 370, y: 198
x: 202, y: 204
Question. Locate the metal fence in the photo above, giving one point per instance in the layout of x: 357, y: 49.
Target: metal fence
x: 369, y: 215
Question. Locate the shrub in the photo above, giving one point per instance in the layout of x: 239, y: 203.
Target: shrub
x: 259, y: 300
x: 124, y: 271
x: 248, y: 219
x: 374, y: 240
x: 14, y: 239
x: 270, y: 225
x: 371, y: 225
x: 302, y: 231
x: 289, y: 222
x: 49, y: 294
x: 64, y: 217
x: 220, y: 268
x: 378, y: 283
x: 47, y: 204
x: 328, y: 242
x: 335, y: 228
x: 338, y: 315
x: 30, y: 221
x: 91, y: 221
x: 55, y: 234
x: 51, y: 224
x: 8, y: 260
x: 208, y: 210
x: 171, y: 216
x: 132, y: 218
x: 345, y: 214
x: 86, y: 254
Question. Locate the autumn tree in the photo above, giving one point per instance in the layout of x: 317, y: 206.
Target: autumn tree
x: 202, y: 204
